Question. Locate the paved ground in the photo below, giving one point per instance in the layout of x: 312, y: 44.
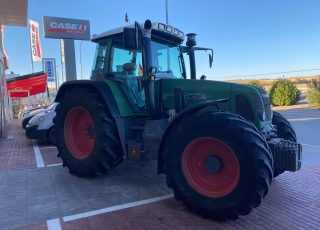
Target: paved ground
x: 37, y: 197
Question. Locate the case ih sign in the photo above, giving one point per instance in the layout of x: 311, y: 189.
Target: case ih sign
x: 66, y: 28
x: 35, y: 41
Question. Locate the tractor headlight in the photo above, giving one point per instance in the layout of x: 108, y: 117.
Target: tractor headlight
x: 262, y: 115
x: 37, y: 118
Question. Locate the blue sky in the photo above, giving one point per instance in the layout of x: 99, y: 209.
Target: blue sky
x: 248, y: 36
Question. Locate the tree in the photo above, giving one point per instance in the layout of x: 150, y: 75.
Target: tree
x: 314, y: 92
x: 256, y: 83
x: 283, y: 92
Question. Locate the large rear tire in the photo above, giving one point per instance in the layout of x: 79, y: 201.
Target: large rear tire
x: 218, y: 164
x: 285, y: 131
x: 87, y: 137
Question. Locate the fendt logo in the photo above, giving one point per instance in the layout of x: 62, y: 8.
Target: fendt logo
x: 71, y: 28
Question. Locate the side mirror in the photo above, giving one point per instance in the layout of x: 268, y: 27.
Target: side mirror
x: 130, y: 41
x: 210, y: 60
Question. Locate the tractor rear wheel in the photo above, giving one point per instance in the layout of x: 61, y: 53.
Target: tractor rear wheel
x: 217, y: 164
x: 285, y: 131
x: 87, y: 136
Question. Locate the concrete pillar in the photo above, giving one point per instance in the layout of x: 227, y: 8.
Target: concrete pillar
x: 70, y: 60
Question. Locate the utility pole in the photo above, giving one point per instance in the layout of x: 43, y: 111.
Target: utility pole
x: 167, y: 21
x: 80, y: 60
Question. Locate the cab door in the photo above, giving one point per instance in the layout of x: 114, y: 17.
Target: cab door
x: 125, y: 68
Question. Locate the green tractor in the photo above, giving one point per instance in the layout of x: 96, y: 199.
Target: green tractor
x: 219, y: 144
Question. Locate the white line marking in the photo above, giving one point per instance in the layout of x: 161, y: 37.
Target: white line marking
x: 312, y: 145
x: 54, y: 164
x: 37, y: 153
x: 115, y: 208
x: 303, y: 119
x: 300, y: 114
x: 51, y: 147
x: 54, y: 224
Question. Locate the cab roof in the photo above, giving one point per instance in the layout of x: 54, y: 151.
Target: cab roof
x: 159, y: 29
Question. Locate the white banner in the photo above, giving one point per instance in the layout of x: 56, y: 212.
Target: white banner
x: 36, y: 52
x: 62, y: 50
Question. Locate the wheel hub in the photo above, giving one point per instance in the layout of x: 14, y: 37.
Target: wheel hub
x: 211, y: 167
x: 91, y: 131
x: 213, y: 164
x: 79, y: 132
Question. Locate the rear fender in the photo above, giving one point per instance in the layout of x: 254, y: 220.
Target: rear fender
x: 100, y: 86
x: 186, y: 112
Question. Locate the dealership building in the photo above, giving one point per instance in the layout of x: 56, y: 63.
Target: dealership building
x: 12, y: 13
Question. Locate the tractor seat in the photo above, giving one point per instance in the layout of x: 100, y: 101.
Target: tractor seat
x: 129, y: 67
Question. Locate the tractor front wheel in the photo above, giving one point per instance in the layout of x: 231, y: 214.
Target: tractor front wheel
x: 217, y: 164
x: 86, y: 134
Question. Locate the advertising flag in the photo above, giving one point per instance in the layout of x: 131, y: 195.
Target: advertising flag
x: 5, y: 56
x: 36, y: 52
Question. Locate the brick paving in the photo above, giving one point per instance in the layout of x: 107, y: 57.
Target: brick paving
x: 16, y: 154
x: 49, y: 156
x: 293, y: 202
x: 19, y: 154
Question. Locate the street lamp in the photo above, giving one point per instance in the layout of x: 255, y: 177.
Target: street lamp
x: 80, y: 60
x: 167, y: 11
x: 57, y: 79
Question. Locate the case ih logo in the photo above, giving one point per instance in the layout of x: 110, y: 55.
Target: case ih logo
x: 68, y: 28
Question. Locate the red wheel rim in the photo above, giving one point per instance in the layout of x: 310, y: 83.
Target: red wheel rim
x: 79, y: 132
x: 206, y: 183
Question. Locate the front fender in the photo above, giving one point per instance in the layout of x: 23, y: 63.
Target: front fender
x: 186, y: 112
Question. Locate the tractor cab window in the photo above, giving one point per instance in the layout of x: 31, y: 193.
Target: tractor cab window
x: 99, y: 60
x: 166, y: 57
x: 126, y: 68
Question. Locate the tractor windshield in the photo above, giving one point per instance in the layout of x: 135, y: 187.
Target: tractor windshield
x: 167, y: 58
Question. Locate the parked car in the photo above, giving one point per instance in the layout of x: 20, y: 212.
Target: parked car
x: 41, y: 126
x: 28, y: 111
x: 35, y: 111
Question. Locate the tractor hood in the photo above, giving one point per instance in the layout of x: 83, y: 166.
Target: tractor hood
x: 250, y: 102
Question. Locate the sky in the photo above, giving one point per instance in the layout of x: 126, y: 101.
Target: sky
x: 249, y: 37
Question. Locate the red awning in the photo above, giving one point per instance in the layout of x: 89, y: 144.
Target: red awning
x: 36, y: 83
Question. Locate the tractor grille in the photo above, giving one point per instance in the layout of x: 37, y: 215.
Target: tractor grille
x: 265, y: 100
x: 257, y: 101
x: 243, y: 108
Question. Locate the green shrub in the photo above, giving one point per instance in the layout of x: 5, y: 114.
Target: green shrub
x: 283, y: 92
x: 314, y: 92
x: 255, y: 82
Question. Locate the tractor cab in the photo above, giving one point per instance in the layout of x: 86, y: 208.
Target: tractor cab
x: 127, y: 65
